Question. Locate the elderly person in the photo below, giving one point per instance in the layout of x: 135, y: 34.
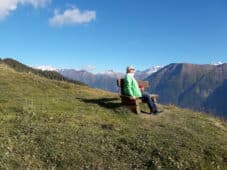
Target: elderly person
x: 131, y: 88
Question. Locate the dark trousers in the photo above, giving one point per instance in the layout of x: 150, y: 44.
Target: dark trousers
x: 147, y: 98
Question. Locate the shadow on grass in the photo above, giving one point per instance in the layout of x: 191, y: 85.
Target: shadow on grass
x: 109, y: 103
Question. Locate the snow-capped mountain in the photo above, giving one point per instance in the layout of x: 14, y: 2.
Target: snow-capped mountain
x: 104, y: 80
x: 111, y: 73
x: 217, y: 63
x: 144, y: 74
x: 47, y: 68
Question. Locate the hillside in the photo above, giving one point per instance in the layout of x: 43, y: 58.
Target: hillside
x: 192, y: 86
x: 50, y: 124
x: 48, y: 74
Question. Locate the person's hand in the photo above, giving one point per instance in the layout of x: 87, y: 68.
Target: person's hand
x: 133, y: 97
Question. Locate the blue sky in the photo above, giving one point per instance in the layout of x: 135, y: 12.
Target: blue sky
x: 105, y: 34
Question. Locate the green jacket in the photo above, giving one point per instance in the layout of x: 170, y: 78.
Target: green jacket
x: 130, y: 86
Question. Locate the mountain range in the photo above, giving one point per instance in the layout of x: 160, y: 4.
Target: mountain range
x: 198, y: 87
x: 105, y: 80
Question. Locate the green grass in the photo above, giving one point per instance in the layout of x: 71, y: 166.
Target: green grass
x: 47, y: 124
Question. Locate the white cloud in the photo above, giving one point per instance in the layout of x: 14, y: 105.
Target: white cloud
x: 7, y: 6
x: 72, y: 16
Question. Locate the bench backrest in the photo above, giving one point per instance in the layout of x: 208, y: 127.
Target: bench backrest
x: 120, y: 84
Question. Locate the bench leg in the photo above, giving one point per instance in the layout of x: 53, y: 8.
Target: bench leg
x: 137, y: 109
x: 132, y: 105
x: 134, y: 108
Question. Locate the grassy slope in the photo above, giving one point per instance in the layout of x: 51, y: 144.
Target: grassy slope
x: 26, y: 69
x: 52, y: 124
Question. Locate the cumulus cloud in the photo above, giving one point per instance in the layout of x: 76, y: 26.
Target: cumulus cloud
x: 7, y: 6
x: 72, y: 16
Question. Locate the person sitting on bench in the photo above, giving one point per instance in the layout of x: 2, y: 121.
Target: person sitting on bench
x: 131, y: 88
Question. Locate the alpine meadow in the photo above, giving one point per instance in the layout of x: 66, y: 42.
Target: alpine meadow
x: 113, y: 85
x: 51, y: 123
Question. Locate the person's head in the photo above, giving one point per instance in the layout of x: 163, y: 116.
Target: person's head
x: 130, y: 69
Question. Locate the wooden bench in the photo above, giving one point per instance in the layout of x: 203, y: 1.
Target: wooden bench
x: 129, y: 101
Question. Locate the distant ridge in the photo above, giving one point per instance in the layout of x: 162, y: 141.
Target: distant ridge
x: 48, y: 74
x: 101, y: 81
x: 192, y: 86
x: 105, y: 80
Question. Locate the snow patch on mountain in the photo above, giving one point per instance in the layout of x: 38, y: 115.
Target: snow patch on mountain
x: 217, y: 63
x: 111, y: 73
x: 144, y: 74
x: 46, y: 68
